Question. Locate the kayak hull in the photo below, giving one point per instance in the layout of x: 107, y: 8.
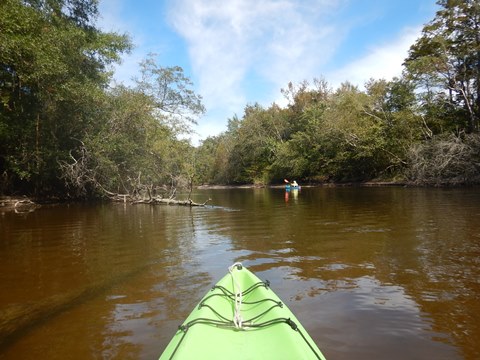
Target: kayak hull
x: 265, y: 328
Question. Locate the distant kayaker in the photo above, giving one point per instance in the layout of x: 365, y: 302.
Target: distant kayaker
x: 294, y: 183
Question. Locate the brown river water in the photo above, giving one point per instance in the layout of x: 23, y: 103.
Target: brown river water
x: 372, y: 273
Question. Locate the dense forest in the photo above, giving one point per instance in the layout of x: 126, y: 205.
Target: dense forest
x: 66, y: 131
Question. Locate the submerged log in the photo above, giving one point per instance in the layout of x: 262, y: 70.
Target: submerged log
x: 157, y: 200
x: 143, y: 195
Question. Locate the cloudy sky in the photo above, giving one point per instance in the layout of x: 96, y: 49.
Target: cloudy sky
x: 239, y: 52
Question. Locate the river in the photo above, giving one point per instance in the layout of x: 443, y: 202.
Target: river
x: 372, y: 273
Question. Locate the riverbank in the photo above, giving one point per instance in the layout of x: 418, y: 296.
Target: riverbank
x: 26, y: 204
x: 280, y: 186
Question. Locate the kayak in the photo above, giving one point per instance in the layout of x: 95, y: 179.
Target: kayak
x: 292, y: 187
x: 241, y: 318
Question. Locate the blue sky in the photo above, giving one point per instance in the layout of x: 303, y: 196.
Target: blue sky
x: 239, y: 52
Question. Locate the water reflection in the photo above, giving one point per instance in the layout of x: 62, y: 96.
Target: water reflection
x: 381, y: 272
x: 291, y: 193
x: 422, y: 241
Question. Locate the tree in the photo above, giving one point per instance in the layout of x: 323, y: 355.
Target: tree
x: 446, y: 159
x: 135, y: 150
x: 53, y: 69
x: 445, y: 62
x: 175, y: 102
x: 205, y: 171
x: 393, y: 105
x: 303, y: 153
x: 346, y: 135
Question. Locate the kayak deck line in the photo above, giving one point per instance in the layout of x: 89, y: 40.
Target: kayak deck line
x: 219, y: 317
x: 245, y: 323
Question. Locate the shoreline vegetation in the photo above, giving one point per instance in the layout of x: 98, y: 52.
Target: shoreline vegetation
x: 26, y: 204
x: 74, y: 135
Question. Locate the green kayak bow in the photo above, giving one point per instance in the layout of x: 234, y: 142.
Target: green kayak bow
x: 241, y: 318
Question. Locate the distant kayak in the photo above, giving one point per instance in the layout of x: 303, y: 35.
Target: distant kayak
x: 241, y: 318
x: 292, y: 187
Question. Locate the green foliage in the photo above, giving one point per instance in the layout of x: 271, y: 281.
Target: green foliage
x: 244, y: 153
x: 176, y: 104
x: 61, y: 130
x: 342, y: 135
x: 205, y: 161
x: 133, y: 147
x: 445, y: 64
x: 52, y: 70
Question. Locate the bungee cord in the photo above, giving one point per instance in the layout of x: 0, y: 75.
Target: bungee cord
x: 237, y: 321
x: 237, y: 290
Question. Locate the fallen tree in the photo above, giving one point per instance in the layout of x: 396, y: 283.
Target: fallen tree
x: 82, y: 177
x: 153, y: 200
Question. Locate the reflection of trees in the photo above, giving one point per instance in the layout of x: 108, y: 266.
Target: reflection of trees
x: 423, y: 240
x: 70, y: 270
x: 439, y: 264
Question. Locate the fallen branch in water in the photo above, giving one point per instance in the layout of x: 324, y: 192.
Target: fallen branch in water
x: 152, y: 200
x: 19, y: 205
x: 188, y: 202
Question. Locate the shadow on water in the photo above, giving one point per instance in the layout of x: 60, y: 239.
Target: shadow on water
x: 17, y: 320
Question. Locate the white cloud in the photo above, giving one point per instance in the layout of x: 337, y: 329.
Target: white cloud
x: 380, y: 62
x: 232, y: 43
